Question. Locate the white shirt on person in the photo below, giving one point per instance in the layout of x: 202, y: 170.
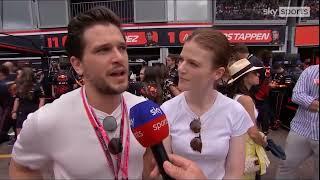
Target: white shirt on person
x: 256, y: 113
x: 225, y: 119
x: 60, y: 136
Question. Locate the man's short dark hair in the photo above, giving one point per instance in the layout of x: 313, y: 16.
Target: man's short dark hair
x: 240, y: 48
x: 265, y: 55
x: 99, y: 15
x: 255, y: 61
x: 4, y: 70
x: 276, y: 65
x: 174, y: 57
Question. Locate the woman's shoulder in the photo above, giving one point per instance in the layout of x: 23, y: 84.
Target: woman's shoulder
x: 235, y: 112
x: 173, y: 103
x: 245, y: 100
x: 227, y: 104
x: 173, y: 107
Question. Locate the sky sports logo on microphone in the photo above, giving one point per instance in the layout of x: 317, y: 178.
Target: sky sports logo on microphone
x: 155, y: 111
x: 148, y: 123
x: 288, y: 12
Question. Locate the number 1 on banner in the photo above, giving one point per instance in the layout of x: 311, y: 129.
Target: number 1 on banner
x: 183, y: 36
x: 53, y: 42
x: 171, y: 36
x: 64, y: 38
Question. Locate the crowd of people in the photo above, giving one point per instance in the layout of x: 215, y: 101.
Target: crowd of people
x: 247, y: 10
x: 23, y: 91
x: 216, y: 99
x: 159, y: 82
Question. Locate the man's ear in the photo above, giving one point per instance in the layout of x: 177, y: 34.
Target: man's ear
x: 218, y: 73
x: 77, y: 65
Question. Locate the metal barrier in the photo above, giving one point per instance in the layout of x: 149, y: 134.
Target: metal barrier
x: 123, y: 8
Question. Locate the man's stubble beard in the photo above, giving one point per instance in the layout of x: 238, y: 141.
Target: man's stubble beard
x: 105, y: 88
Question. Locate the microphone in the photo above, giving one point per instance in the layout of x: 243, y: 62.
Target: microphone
x: 150, y: 126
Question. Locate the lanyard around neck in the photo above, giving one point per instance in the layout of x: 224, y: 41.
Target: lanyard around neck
x: 104, y: 139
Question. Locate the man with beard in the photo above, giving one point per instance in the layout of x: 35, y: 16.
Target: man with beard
x: 85, y: 134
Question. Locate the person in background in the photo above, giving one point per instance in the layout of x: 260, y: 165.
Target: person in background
x: 275, y: 37
x: 261, y: 92
x: 171, y: 82
x: 266, y: 58
x: 65, y: 135
x: 135, y: 87
x: 4, y: 104
x: 30, y: 97
x: 239, y: 51
x: 278, y: 73
x: 222, y: 83
x: 303, y: 139
x: 8, y: 96
x: 163, y: 72
x: 306, y: 63
x: 14, y: 87
x: 277, y: 93
x: 151, y: 84
x: 206, y: 126
x: 149, y: 39
x: 11, y: 78
x: 39, y: 77
x: 163, y: 75
x: 63, y: 81
x: 12, y: 70
x: 243, y: 77
x: 172, y: 66
x: 132, y: 77
x: 141, y: 73
x: 4, y: 72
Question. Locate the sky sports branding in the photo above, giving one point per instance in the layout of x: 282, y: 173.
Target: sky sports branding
x: 147, y: 112
x: 148, y: 123
x: 155, y: 110
x: 288, y: 12
x: 159, y: 125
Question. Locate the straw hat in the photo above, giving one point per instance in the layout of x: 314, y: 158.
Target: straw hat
x: 240, y: 68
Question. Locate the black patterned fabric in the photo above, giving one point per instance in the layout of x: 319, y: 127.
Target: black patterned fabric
x: 172, y: 80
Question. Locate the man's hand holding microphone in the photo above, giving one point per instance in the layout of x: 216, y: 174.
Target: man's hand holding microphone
x: 181, y: 168
x: 150, y: 127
